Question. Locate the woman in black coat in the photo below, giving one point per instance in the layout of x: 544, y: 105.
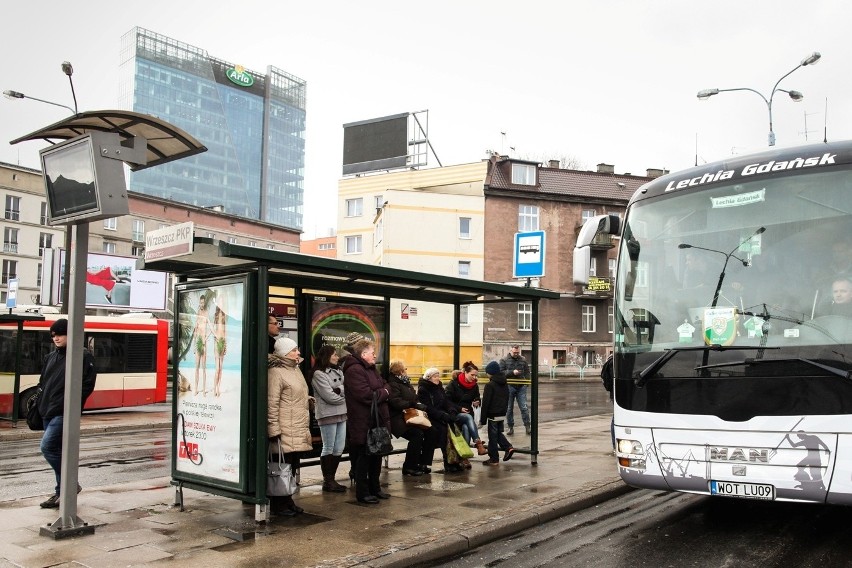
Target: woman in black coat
x: 441, y: 412
x: 421, y: 443
x: 361, y: 381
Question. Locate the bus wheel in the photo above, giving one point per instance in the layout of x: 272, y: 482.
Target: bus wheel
x: 24, y: 400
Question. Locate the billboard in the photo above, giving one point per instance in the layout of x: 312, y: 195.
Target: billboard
x: 111, y: 282
x: 375, y: 144
x: 333, y: 318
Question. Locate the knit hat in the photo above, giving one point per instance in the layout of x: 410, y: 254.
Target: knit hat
x: 284, y: 345
x: 59, y: 327
x: 353, y: 338
x: 492, y: 368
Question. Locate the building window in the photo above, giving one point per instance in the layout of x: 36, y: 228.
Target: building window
x: 10, y: 270
x: 593, y: 266
x: 38, y: 274
x: 138, y: 231
x: 109, y: 247
x: 10, y: 240
x: 464, y: 315
x: 270, y: 246
x: 211, y: 235
x: 355, y: 207
x: 325, y: 246
x: 232, y: 240
x: 13, y: 208
x: 587, y: 214
x: 527, y: 218
x: 464, y: 269
x: 43, y: 215
x: 464, y: 227
x: 588, y: 323
x: 378, y: 232
x: 610, y: 319
x: 589, y: 358
x: 111, y: 223
x: 525, y: 316
x: 252, y: 243
x: 379, y: 201
x: 353, y: 245
x: 137, y: 250
x: 45, y: 241
x: 523, y: 174
x: 611, y: 262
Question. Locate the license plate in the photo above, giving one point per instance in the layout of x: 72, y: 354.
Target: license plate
x: 745, y: 490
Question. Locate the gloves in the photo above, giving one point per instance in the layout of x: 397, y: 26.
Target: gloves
x: 420, y: 406
x: 336, y: 390
x: 273, y: 439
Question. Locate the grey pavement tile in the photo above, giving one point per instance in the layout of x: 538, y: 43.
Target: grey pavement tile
x: 139, y: 555
x: 111, y: 541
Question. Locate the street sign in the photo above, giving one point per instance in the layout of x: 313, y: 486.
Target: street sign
x: 529, y: 255
x: 12, y: 293
x: 169, y: 242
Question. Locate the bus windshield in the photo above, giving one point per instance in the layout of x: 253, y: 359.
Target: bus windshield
x: 736, y: 300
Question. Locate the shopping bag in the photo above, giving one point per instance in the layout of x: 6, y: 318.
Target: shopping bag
x: 463, y: 449
x: 280, y: 481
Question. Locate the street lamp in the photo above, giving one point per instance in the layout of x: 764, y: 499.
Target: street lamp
x: 11, y: 95
x: 705, y: 94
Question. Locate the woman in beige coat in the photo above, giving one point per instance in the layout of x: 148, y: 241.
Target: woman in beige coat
x: 288, y: 414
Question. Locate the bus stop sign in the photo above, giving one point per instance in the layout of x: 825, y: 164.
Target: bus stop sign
x: 529, y: 255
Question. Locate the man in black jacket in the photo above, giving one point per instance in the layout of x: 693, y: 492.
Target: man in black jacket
x: 51, y: 403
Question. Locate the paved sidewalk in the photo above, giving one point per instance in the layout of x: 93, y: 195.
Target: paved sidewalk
x: 426, y: 519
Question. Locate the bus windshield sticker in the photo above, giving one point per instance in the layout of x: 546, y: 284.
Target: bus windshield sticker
x: 737, y: 200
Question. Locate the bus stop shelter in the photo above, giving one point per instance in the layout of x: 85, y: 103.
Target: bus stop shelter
x: 223, y: 291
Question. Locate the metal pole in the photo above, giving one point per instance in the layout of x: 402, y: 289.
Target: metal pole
x: 68, y: 524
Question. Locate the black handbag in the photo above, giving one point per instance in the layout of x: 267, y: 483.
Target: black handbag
x: 378, y: 437
x: 280, y: 481
x: 34, y: 420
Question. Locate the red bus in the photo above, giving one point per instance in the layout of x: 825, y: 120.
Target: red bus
x: 131, y: 357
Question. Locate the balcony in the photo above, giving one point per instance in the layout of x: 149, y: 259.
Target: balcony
x: 10, y: 247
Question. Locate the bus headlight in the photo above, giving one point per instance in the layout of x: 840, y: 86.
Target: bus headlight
x: 629, y: 447
x: 633, y: 447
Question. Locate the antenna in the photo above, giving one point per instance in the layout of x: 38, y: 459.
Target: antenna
x: 825, y: 123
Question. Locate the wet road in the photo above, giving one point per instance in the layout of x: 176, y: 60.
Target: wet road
x: 107, y: 459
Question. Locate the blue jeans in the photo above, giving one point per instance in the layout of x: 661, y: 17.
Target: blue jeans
x: 468, y: 427
x: 333, y: 438
x: 519, y: 392
x: 51, y: 446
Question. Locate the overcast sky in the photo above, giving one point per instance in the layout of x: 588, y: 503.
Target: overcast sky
x: 603, y: 81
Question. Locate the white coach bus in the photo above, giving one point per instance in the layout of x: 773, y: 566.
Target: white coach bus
x: 732, y: 327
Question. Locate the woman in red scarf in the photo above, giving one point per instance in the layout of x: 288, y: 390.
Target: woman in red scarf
x: 463, y: 391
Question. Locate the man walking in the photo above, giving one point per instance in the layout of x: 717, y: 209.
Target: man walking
x: 51, y: 403
x: 518, y: 375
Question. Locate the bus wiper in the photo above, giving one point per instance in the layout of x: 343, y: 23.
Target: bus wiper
x: 827, y: 368
x: 646, y: 373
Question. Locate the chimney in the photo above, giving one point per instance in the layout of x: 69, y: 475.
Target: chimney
x: 655, y: 172
x: 553, y: 164
x: 606, y: 169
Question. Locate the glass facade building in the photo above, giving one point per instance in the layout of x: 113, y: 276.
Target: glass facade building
x: 252, y: 124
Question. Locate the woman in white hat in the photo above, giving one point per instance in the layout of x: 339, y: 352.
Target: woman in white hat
x: 288, y: 412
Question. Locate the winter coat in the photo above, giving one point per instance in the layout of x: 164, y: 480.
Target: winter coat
x: 288, y: 415
x: 51, y: 403
x: 328, y: 402
x: 362, y: 380
x: 439, y: 407
x: 402, y: 396
x: 461, y: 396
x: 495, y: 399
x: 508, y: 364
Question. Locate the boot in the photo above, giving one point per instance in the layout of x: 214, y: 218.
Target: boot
x: 480, y: 448
x: 329, y: 484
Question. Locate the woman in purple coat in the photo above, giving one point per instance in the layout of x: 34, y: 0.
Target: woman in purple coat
x: 361, y: 381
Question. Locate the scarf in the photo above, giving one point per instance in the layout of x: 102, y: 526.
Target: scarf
x: 404, y: 379
x: 465, y: 382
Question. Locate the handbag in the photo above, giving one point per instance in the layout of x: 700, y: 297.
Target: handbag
x: 416, y: 418
x: 378, y: 437
x: 34, y: 420
x: 463, y: 449
x: 280, y: 481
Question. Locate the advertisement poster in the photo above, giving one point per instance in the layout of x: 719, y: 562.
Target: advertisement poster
x: 114, y: 282
x: 333, y: 320
x: 209, y: 393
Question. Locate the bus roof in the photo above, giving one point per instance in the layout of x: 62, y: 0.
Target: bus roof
x: 795, y: 159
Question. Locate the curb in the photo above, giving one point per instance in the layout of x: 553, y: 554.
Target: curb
x: 24, y: 433
x: 430, y: 551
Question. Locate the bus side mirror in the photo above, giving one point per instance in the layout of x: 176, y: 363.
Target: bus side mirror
x: 601, y: 224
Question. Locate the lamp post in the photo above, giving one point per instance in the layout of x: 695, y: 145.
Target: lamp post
x: 705, y: 94
x: 12, y: 95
